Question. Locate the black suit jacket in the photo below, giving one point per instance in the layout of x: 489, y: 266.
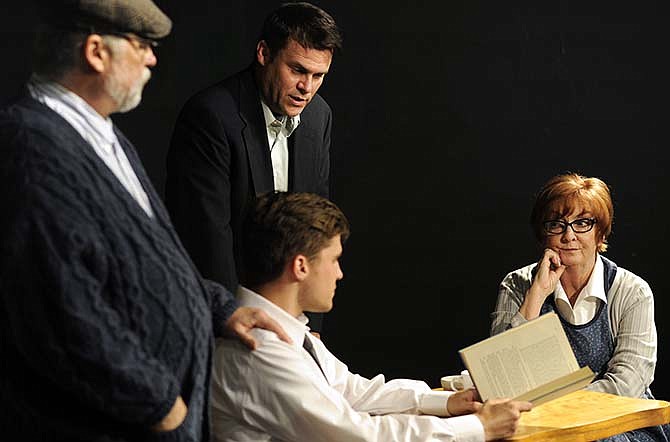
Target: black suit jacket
x: 219, y: 160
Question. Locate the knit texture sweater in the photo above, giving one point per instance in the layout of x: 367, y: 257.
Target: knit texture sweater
x: 104, y: 320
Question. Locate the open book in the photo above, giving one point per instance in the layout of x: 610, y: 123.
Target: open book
x: 533, y: 362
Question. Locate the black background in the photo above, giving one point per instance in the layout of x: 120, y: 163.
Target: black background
x: 448, y: 116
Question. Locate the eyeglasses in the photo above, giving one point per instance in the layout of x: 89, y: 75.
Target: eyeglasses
x: 140, y: 43
x: 557, y: 226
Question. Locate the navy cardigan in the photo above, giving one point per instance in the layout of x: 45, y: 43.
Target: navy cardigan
x: 104, y: 319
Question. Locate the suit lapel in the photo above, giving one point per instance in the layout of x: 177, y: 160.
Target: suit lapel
x: 254, y: 135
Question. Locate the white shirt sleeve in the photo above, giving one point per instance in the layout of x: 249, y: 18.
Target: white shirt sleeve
x: 630, y: 371
x: 279, y: 391
x: 511, y: 294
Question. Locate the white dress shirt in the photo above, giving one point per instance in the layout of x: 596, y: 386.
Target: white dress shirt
x: 278, y: 393
x: 588, y: 300
x: 96, y: 130
x: 278, y: 131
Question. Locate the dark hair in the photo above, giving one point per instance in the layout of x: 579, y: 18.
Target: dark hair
x: 306, y: 24
x: 281, y: 226
x: 564, y: 194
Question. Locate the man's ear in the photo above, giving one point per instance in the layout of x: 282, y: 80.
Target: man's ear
x: 96, y: 53
x: 300, y: 267
x: 262, y: 53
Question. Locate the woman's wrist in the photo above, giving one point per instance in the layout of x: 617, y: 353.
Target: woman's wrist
x: 532, y: 303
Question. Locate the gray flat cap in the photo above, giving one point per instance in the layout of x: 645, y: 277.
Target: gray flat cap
x: 141, y: 17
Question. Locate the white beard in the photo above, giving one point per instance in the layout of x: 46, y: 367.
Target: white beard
x: 126, y: 99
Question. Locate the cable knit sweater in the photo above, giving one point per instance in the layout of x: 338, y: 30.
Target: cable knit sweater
x: 104, y: 319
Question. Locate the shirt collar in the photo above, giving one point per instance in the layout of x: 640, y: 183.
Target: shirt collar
x: 286, y: 124
x: 73, y: 108
x: 595, y: 287
x: 296, y: 328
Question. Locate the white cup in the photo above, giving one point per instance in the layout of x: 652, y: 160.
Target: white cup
x: 457, y: 382
x: 466, y: 380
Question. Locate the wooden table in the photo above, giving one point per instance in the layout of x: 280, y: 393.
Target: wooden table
x: 587, y: 415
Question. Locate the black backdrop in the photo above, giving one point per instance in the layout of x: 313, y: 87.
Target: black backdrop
x: 448, y: 116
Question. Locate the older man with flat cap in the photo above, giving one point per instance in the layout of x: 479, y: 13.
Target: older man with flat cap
x: 106, y: 328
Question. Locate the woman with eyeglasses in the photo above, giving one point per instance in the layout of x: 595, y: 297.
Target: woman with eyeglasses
x: 607, y: 312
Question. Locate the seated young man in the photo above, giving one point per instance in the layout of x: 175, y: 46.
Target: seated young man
x: 301, y: 391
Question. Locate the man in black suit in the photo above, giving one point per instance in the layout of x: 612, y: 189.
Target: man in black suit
x: 262, y: 129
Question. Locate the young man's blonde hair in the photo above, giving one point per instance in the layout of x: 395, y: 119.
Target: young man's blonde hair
x: 282, y: 225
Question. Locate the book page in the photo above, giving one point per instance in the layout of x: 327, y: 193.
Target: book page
x: 520, y: 359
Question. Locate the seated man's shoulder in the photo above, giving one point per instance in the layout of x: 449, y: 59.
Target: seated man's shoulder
x: 266, y: 340
x: 236, y: 359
